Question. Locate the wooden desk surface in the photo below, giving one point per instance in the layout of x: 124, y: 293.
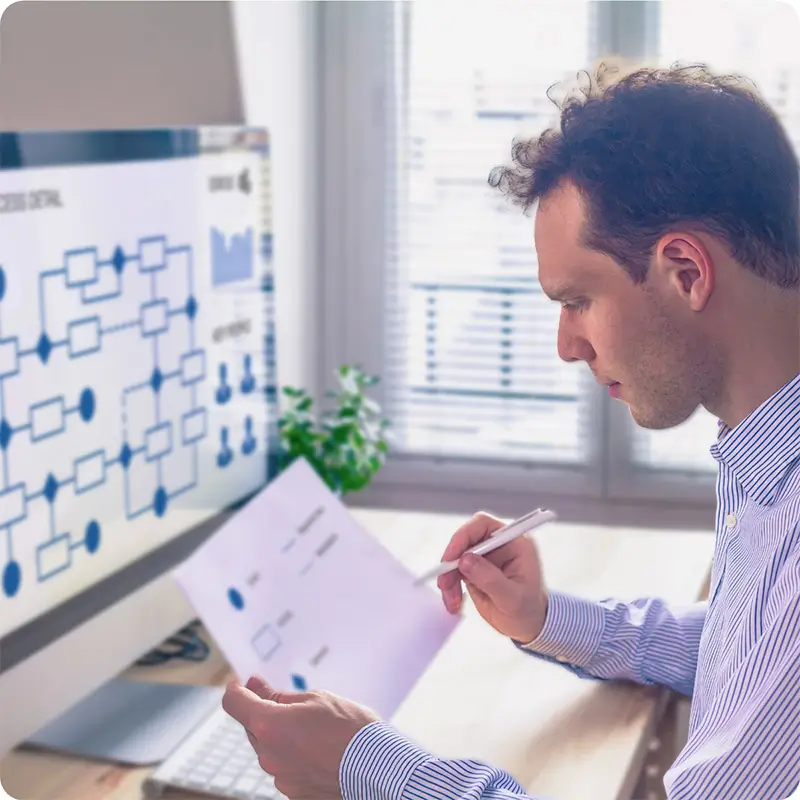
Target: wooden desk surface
x: 560, y: 736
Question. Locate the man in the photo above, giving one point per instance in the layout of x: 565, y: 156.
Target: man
x: 667, y: 226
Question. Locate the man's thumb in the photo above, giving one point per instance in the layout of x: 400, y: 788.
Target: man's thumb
x: 483, y: 575
x: 259, y: 686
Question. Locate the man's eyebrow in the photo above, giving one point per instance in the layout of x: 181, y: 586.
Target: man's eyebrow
x: 562, y: 292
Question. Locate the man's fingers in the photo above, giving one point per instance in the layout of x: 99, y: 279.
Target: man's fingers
x: 448, y: 581
x: 242, y: 704
x: 478, y: 528
x: 472, y: 532
x: 480, y: 573
x: 450, y: 587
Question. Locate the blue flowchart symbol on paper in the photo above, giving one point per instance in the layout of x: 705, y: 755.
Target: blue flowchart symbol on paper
x: 236, y: 599
x: 266, y: 642
x: 299, y: 682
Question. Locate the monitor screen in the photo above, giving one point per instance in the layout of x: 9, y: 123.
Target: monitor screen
x: 137, y: 386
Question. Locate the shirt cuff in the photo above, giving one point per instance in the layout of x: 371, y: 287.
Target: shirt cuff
x: 572, y: 632
x: 378, y: 763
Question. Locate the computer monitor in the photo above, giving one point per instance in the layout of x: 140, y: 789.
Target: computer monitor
x: 137, y: 390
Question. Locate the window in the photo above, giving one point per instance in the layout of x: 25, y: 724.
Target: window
x: 471, y: 337
x: 431, y: 275
x: 685, y: 448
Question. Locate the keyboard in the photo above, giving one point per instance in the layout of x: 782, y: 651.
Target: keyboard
x: 216, y: 760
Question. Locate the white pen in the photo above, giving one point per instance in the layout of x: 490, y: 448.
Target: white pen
x: 519, y: 527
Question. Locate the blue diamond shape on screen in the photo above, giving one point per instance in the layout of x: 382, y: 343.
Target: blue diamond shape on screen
x: 44, y: 348
x: 156, y: 380
x: 50, y: 487
x: 5, y: 434
x: 125, y: 456
x: 118, y: 260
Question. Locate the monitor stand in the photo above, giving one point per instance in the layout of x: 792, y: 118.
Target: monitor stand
x: 129, y: 722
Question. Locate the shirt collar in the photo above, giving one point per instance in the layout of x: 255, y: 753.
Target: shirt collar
x: 764, y: 445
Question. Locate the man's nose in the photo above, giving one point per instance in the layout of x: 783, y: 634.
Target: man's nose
x: 573, y: 346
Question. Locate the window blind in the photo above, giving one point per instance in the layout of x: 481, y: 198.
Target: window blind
x: 472, y: 368
x: 758, y: 40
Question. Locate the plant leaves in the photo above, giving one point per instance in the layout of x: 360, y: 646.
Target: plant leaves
x: 343, y: 443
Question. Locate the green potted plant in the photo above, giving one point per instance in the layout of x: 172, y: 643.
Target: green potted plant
x: 345, y: 444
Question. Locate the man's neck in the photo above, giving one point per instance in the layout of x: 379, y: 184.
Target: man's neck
x: 766, y: 358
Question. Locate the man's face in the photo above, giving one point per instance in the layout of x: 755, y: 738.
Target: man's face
x: 642, y: 340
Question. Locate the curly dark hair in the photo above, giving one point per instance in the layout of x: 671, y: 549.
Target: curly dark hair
x: 665, y: 147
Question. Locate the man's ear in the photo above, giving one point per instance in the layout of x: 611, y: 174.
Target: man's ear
x: 685, y: 264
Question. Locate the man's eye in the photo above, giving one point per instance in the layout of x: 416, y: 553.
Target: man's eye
x: 575, y: 305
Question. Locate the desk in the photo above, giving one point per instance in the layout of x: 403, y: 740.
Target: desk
x: 560, y: 736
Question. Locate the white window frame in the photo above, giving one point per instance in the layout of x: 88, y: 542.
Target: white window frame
x: 357, y: 118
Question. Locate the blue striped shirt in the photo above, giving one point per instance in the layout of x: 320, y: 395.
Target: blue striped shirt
x: 737, y: 655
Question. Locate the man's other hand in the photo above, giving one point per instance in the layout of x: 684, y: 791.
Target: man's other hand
x: 299, y: 737
x: 506, y: 585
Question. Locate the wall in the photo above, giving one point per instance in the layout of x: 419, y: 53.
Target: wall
x: 126, y: 63
x: 117, y: 64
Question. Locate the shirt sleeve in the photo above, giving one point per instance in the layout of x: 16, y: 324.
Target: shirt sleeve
x: 743, y: 740
x: 382, y: 764
x: 645, y: 641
